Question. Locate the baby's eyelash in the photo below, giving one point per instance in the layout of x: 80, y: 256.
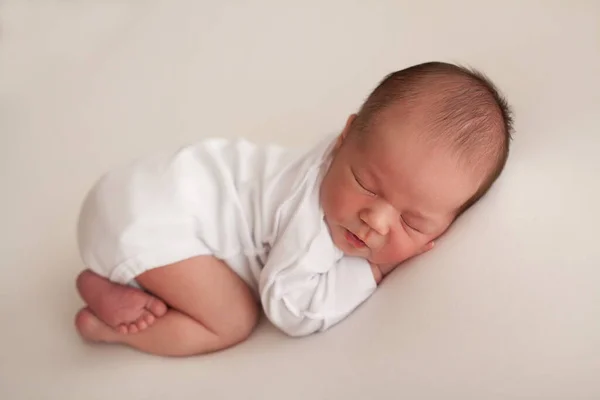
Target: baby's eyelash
x: 361, y: 185
x: 409, y: 226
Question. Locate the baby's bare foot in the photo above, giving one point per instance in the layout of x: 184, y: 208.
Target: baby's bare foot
x: 124, y: 308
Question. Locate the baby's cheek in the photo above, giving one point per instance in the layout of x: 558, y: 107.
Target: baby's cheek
x: 397, y: 252
x: 329, y: 203
x: 340, y: 205
x: 385, y: 256
x: 331, y: 208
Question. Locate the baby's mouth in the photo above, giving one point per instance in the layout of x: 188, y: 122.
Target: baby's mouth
x: 354, y: 240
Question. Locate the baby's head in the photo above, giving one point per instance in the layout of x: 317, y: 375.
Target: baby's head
x: 427, y: 144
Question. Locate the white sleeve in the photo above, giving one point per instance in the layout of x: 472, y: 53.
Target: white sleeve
x: 310, y: 290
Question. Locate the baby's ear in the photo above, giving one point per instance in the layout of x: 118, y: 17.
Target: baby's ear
x: 346, y: 131
x: 349, y: 124
x: 339, y: 141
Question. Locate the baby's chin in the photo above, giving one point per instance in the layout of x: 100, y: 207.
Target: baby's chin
x: 348, y: 251
x: 373, y: 259
x: 356, y: 254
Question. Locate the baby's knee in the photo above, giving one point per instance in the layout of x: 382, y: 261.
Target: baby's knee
x: 243, y: 322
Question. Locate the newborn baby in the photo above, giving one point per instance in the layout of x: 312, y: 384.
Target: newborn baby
x: 184, y: 249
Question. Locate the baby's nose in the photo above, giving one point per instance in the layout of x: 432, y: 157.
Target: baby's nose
x: 379, y: 218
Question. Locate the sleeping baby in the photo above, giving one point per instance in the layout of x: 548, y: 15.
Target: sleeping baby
x: 184, y: 250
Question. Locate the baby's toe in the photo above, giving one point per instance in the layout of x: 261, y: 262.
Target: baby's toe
x: 133, y: 328
x: 149, y: 318
x: 122, y: 329
x: 156, y: 307
x: 141, y: 325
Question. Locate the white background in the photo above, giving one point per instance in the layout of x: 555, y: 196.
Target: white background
x: 506, y: 307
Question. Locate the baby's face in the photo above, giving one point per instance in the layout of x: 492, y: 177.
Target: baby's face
x: 386, y: 197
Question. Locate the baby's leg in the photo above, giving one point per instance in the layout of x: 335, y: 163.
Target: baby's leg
x: 212, y: 309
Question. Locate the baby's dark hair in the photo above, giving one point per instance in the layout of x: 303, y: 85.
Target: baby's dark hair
x: 465, y: 109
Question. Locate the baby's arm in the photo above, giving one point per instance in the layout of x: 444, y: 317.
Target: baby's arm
x: 310, y: 293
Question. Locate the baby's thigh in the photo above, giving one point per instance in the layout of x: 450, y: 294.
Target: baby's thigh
x: 206, y: 289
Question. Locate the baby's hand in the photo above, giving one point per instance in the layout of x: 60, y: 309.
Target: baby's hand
x: 381, y: 270
x: 377, y: 274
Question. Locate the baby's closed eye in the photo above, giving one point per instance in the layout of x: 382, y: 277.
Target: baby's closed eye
x: 362, y: 185
x: 410, y: 225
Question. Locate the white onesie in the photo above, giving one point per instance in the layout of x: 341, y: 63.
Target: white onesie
x: 255, y: 207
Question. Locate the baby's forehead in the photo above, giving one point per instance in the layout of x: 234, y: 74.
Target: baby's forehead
x: 396, y: 129
x: 431, y: 128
